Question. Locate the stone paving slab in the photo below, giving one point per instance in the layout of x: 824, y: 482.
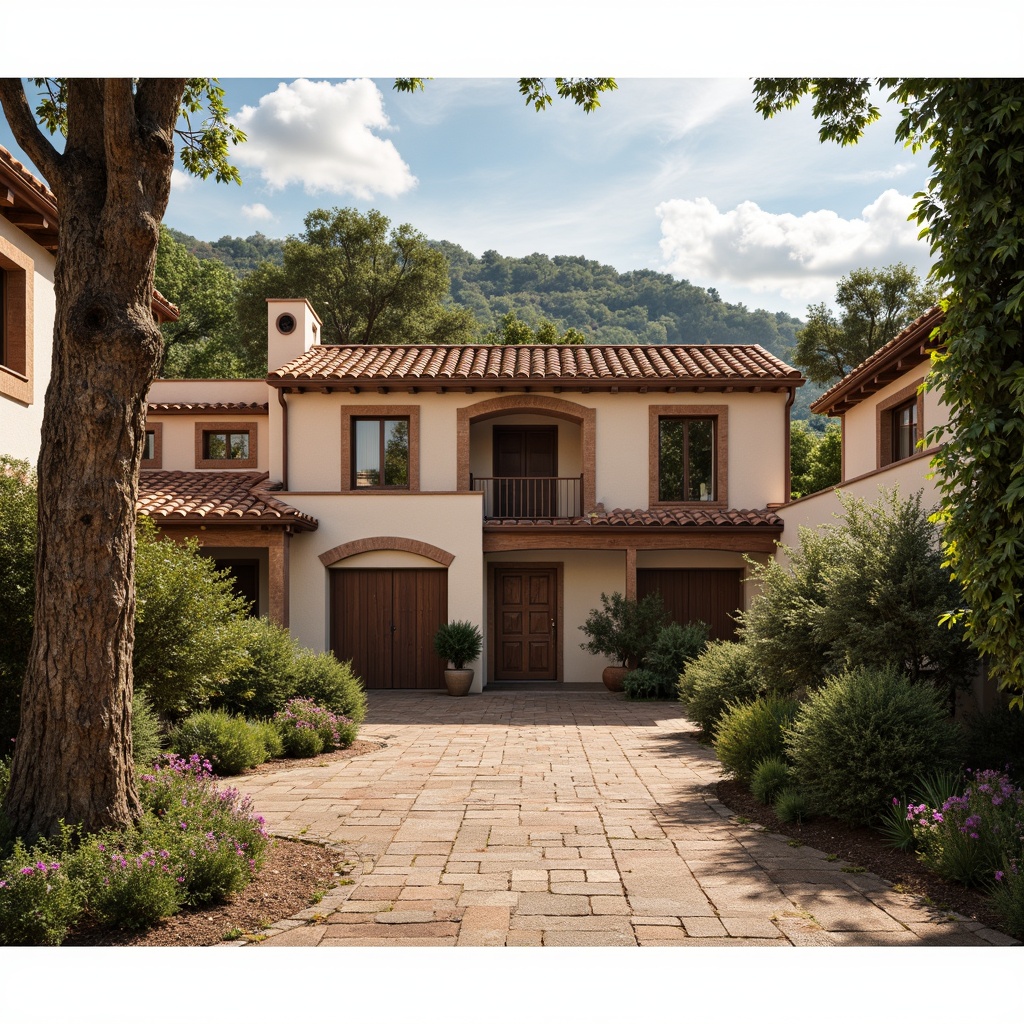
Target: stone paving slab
x: 563, y: 819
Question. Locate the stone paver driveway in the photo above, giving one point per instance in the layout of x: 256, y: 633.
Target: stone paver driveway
x: 578, y: 819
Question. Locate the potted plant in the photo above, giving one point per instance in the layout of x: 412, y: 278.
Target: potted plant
x: 457, y: 643
x: 623, y: 630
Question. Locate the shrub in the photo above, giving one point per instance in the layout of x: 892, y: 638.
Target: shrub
x: 624, y: 630
x: 264, y: 677
x: 270, y: 736
x: 643, y: 684
x: 333, y: 685
x: 215, y: 840
x: 970, y: 837
x: 228, y: 742
x: 39, y: 901
x: 1006, y: 897
x: 864, y: 736
x: 673, y: 649
x: 185, y: 624
x: 995, y: 739
x: 793, y: 805
x: 769, y: 778
x: 719, y: 676
x: 749, y: 733
x: 458, y: 643
x: 300, y: 719
x: 147, y: 740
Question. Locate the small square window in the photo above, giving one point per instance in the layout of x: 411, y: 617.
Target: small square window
x: 226, y: 446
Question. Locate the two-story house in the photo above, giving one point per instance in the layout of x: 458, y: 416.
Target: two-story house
x: 510, y: 486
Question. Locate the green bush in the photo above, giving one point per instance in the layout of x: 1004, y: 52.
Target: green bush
x: 1006, y: 897
x: 228, y: 742
x: 185, y: 624
x: 721, y: 675
x: 458, y: 642
x: 749, y: 733
x: 147, y: 739
x: 39, y: 900
x: 643, y: 684
x: 995, y: 739
x: 624, y: 630
x: 302, y: 742
x: 793, y: 806
x: 301, y: 718
x: 864, y: 738
x: 263, y: 679
x: 270, y: 736
x: 770, y: 777
x: 673, y: 649
x: 332, y: 684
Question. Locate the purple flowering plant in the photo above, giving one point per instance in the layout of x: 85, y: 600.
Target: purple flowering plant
x: 302, y: 715
x: 39, y: 900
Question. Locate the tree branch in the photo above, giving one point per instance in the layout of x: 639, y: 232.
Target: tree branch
x: 23, y: 124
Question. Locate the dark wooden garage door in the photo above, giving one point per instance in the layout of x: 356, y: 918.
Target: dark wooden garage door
x: 711, y: 595
x: 384, y: 620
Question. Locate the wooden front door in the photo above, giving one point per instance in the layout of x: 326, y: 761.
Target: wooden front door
x: 521, y: 456
x: 384, y: 620
x: 710, y: 595
x: 525, y: 621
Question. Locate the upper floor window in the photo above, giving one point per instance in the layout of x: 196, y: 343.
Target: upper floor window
x: 380, y: 452
x: 149, y: 449
x: 686, y: 459
x: 153, y: 449
x: 904, y: 430
x: 16, y: 307
x: 225, y: 446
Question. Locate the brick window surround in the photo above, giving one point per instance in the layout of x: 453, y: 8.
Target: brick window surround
x: 157, y: 462
x: 220, y: 428
x: 353, y: 412
x: 883, y: 421
x: 720, y: 415
x: 16, y: 332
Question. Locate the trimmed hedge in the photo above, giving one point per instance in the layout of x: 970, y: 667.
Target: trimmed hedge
x: 720, y: 676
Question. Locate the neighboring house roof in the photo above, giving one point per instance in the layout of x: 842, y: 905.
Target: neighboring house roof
x: 29, y: 205
x: 601, y: 367
x: 173, y: 496
x: 187, y: 408
x: 697, y: 518
x: 882, y: 367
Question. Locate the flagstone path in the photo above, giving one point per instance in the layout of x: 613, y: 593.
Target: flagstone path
x: 563, y: 819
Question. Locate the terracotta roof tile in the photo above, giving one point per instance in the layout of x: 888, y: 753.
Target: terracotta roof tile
x: 738, y: 365
x: 170, y: 495
x: 662, y: 517
x: 254, y: 408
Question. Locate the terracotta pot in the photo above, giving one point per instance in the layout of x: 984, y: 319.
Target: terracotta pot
x: 612, y: 677
x: 458, y: 681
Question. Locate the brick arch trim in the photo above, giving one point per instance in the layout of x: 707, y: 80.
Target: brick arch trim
x: 556, y: 407
x: 358, y: 547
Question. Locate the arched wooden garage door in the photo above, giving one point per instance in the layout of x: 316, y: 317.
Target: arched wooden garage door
x: 384, y: 620
x: 711, y: 595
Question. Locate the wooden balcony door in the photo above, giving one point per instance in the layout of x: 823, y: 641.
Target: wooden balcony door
x: 525, y: 622
x: 519, y: 453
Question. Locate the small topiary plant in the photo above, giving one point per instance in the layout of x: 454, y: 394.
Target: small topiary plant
x: 721, y: 675
x: 228, y: 742
x: 770, y: 777
x: 749, y: 733
x: 865, y: 735
x: 458, y: 643
x: 793, y: 806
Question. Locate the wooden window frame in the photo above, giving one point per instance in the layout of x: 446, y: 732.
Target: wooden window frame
x: 349, y: 413
x: 157, y: 462
x: 202, y: 429
x: 16, y: 332
x: 884, y: 422
x: 719, y: 414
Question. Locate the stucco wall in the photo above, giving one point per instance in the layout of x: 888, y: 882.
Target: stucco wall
x: 20, y: 423
x: 179, y: 436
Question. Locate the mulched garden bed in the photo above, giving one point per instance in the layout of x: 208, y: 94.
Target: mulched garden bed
x: 864, y: 847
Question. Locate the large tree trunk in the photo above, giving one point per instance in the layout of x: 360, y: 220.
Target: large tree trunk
x: 73, y: 756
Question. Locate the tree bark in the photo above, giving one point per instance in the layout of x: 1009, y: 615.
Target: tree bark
x: 73, y: 755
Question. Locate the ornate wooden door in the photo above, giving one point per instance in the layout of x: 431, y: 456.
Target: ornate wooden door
x: 525, y: 616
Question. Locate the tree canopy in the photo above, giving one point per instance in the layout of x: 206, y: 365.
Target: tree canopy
x: 972, y: 214
x: 875, y: 306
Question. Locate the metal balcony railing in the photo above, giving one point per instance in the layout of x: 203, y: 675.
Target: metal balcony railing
x: 530, y: 497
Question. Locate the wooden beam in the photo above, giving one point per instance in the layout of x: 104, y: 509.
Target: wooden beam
x: 6, y: 197
x: 26, y: 218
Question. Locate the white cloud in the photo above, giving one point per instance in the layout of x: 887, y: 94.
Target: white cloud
x: 884, y: 174
x: 257, y: 211
x: 800, y: 257
x: 321, y: 136
x: 180, y: 180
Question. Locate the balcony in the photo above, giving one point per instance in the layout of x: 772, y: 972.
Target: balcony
x: 530, y: 497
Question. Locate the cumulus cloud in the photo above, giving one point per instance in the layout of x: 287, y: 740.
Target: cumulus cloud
x: 321, y: 136
x: 257, y: 211
x: 180, y: 180
x: 800, y: 257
